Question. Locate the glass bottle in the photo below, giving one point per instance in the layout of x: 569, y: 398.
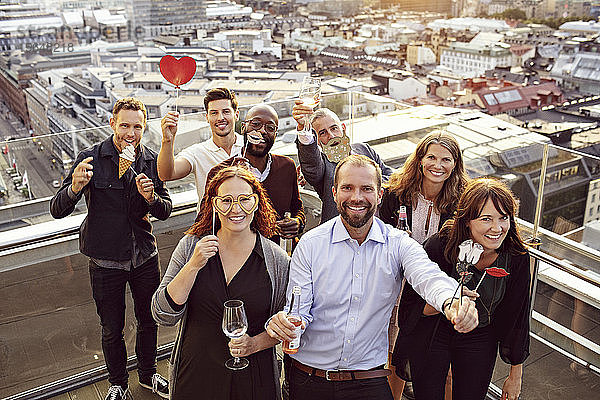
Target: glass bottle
x: 403, y: 220
x: 286, y: 244
x: 291, y: 347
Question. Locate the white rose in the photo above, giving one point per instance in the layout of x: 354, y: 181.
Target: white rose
x: 463, y: 249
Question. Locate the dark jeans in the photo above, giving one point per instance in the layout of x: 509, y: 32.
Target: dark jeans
x: 303, y: 386
x: 472, y: 356
x: 108, y: 289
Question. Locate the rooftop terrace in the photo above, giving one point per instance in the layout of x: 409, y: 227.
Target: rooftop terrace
x: 49, y: 331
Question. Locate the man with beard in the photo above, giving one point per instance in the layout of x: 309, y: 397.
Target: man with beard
x: 276, y: 173
x: 322, y: 147
x: 221, y: 113
x: 350, y: 271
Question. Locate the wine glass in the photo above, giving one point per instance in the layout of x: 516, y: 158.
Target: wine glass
x: 235, y: 325
x: 310, y: 94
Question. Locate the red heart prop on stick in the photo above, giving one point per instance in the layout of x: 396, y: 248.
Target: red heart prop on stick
x: 177, y: 71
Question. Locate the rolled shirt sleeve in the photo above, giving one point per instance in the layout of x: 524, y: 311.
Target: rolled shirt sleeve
x: 425, y: 276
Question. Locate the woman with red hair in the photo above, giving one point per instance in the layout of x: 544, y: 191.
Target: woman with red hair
x: 225, y: 255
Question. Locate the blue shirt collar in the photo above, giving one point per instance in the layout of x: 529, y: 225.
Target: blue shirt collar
x: 340, y: 233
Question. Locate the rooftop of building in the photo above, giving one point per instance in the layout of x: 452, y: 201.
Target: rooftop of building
x: 468, y: 23
x: 581, y: 26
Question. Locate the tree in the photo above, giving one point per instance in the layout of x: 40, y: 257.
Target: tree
x: 514, y: 14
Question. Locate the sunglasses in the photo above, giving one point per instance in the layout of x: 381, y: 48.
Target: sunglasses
x: 256, y: 125
x: 247, y: 202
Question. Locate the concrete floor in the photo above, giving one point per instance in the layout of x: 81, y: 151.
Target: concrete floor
x: 97, y: 391
x: 547, y: 376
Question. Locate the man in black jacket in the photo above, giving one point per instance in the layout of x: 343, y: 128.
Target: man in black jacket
x: 117, y: 237
x: 318, y: 158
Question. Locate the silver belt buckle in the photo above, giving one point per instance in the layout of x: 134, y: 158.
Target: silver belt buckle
x: 327, y: 373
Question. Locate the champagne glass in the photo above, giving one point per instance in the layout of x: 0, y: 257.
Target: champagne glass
x: 235, y: 325
x: 310, y: 94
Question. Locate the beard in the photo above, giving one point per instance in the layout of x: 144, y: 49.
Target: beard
x: 356, y: 221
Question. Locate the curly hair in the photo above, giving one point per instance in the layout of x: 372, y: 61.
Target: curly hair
x: 129, y: 103
x: 407, y: 182
x: 470, y: 206
x: 265, y: 216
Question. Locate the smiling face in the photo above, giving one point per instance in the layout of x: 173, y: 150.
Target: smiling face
x: 128, y: 128
x: 266, y: 116
x: 356, y: 194
x: 327, y: 128
x: 221, y: 117
x: 490, y: 228
x: 236, y: 220
x: 437, y: 164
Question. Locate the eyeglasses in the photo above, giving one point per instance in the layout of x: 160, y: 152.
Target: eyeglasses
x: 256, y: 125
x: 247, y: 202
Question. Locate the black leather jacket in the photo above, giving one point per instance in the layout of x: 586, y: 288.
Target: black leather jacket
x: 116, y: 211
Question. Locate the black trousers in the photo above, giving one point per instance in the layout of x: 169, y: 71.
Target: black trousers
x: 108, y: 289
x: 472, y: 356
x: 303, y: 386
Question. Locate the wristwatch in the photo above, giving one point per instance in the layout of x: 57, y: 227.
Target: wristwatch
x: 447, y: 304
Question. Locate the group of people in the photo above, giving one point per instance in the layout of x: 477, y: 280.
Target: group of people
x: 358, y: 274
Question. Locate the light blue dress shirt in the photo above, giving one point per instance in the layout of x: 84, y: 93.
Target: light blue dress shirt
x: 348, y: 291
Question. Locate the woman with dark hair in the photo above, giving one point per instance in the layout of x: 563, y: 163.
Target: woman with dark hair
x: 427, y: 346
x: 429, y: 185
x: 206, y: 269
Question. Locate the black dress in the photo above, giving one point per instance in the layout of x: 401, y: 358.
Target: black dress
x: 202, y: 373
x: 504, y: 312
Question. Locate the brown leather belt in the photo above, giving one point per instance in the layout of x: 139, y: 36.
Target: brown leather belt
x: 343, y: 375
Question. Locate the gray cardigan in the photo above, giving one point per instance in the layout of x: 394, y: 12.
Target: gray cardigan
x: 318, y: 171
x: 277, y: 263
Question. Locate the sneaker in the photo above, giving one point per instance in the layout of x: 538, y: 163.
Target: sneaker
x: 116, y: 392
x: 158, y: 385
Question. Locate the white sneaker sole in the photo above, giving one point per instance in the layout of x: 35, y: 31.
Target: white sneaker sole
x: 149, y: 387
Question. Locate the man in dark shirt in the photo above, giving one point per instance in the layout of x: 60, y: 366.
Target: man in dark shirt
x: 318, y: 157
x: 276, y: 173
x: 117, y: 237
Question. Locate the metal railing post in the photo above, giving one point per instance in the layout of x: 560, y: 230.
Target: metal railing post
x: 535, y: 241
x: 540, y: 193
x: 350, y: 117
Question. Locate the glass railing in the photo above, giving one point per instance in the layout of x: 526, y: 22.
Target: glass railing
x: 47, y: 159
x: 49, y: 331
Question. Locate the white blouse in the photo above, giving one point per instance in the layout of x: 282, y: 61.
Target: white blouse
x: 421, y: 232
